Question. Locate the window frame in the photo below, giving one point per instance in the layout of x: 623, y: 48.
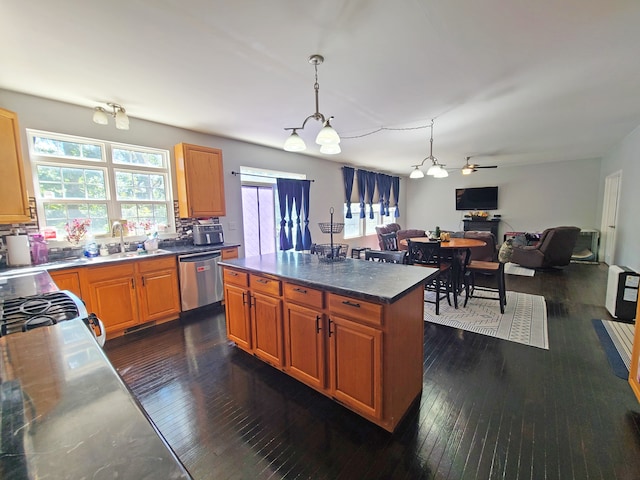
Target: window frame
x: 109, y: 166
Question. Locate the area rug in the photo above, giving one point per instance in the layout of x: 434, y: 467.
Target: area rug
x: 617, y: 340
x: 524, y: 320
x: 515, y: 269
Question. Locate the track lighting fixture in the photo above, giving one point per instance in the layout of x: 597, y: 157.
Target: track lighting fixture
x: 327, y: 138
x: 101, y: 116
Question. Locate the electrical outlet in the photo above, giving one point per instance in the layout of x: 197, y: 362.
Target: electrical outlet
x: 233, y: 226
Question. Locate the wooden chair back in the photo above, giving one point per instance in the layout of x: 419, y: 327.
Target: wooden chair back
x: 389, y: 241
x: 386, y: 256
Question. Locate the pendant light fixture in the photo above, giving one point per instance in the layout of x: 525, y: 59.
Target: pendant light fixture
x: 101, y: 116
x: 327, y: 137
x: 436, y: 169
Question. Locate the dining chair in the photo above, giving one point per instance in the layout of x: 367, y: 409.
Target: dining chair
x: 493, y: 270
x: 428, y: 254
x: 389, y: 241
x: 386, y: 256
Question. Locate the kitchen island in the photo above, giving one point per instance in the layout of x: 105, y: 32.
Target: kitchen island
x: 352, y: 330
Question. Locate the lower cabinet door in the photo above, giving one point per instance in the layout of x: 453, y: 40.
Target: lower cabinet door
x: 356, y: 365
x: 114, y: 302
x: 237, y: 315
x: 266, y: 323
x: 304, y: 333
x: 159, y: 295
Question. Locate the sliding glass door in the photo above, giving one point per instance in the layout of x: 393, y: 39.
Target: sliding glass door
x: 258, y: 215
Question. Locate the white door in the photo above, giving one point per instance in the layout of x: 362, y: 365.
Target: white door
x: 609, y: 217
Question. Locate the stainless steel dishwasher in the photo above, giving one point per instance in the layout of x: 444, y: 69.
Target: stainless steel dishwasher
x: 200, y: 279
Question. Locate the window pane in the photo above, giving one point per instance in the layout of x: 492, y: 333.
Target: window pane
x: 134, y: 157
x: 71, y: 183
x: 66, y: 149
x: 58, y: 214
x: 352, y: 225
x: 140, y: 186
x: 145, y: 217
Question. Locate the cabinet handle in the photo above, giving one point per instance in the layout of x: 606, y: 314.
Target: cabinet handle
x: 244, y: 298
x: 318, y: 324
x: 330, y: 322
x: 351, y: 304
x: 143, y: 284
x: 300, y: 290
x: 232, y: 274
x: 133, y: 284
x: 260, y: 280
x: 252, y: 301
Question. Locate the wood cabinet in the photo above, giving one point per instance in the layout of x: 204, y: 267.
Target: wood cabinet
x: 634, y: 372
x: 363, y: 354
x: 14, y: 204
x: 200, y: 181
x: 229, y: 253
x: 67, y: 279
x: 130, y: 294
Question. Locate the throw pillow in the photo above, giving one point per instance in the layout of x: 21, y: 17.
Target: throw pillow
x: 506, y: 250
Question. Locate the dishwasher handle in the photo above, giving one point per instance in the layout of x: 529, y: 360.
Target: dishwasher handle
x: 199, y: 257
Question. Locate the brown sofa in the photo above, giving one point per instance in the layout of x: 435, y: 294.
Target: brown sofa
x: 401, y: 234
x: 553, y: 250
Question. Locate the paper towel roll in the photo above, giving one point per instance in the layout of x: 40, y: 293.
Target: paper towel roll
x: 18, y: 252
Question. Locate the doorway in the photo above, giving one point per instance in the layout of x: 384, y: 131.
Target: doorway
x: 258, y: 217
x: 610, y: 216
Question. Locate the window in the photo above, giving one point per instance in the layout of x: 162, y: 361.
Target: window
x: 359, y: 227
x: 81, y: 178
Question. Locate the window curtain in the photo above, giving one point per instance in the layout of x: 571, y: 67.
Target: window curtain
x: 347, y: 176
x: 294, y: 192
x: 371, y: 187
x: 306, y: 241
x: 384, y: 192
x: 395, y: 181
x: 362, y: 182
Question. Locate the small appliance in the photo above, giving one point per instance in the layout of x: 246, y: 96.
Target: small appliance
x: 208, y: 234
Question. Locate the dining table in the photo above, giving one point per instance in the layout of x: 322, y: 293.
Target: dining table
x: 460, y: 251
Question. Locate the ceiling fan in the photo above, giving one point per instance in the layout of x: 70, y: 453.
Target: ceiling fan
x: 469, y: 168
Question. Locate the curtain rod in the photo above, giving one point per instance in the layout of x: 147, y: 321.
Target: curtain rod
x: 265, y: 176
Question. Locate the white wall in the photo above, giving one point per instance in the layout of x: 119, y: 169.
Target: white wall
x: 626, y: 158
x: 530, y: 198
x: 326, y: 191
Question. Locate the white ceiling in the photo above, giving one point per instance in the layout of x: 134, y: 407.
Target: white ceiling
x: 507, y: 81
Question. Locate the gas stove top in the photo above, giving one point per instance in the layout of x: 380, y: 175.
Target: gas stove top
x: 22, y: 314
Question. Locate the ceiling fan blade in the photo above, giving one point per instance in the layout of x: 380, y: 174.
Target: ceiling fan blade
x: 486, y: 166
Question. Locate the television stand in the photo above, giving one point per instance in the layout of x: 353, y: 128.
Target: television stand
x: 482, y: 225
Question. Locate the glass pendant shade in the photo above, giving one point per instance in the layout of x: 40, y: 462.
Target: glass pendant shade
x: 441, y: 173
x: 327, y: 136
x: 433, y: 169
x: 416, y: 173
x: 294, y: 143
x: 100, y: 116
x: 122, y: 121
x: 330, y: 149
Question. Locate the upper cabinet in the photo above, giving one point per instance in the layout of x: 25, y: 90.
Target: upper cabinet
x: 200, y: 180
x: 14, y: 205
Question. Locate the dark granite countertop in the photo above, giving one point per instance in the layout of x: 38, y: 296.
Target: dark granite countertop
x: 382, y: 282
x: 66, y: 413
x: 128, y: 256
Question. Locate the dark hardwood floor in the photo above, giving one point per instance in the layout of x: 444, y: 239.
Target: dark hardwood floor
x: 489, y: 408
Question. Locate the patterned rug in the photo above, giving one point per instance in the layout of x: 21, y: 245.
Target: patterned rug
x: 524, y: 320
x: 617, y: 340
x: 515, y: 269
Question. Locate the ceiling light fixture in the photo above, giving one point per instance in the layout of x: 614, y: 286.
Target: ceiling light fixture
x: 101, y: 116
x: 327, y: 138
x: 436, y: 169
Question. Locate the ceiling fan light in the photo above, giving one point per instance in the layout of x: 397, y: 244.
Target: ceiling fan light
x: 467, y: 170
x: 330, y: 149
x: 416, y: 173
x: 122, y: 121
x: 294, y: 143
x: 100, y: 116
x: 327, y: 135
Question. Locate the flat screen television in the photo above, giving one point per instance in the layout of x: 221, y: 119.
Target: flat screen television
x: 479, y: 198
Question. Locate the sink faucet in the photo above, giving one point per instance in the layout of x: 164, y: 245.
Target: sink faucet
x: 118, y: 226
